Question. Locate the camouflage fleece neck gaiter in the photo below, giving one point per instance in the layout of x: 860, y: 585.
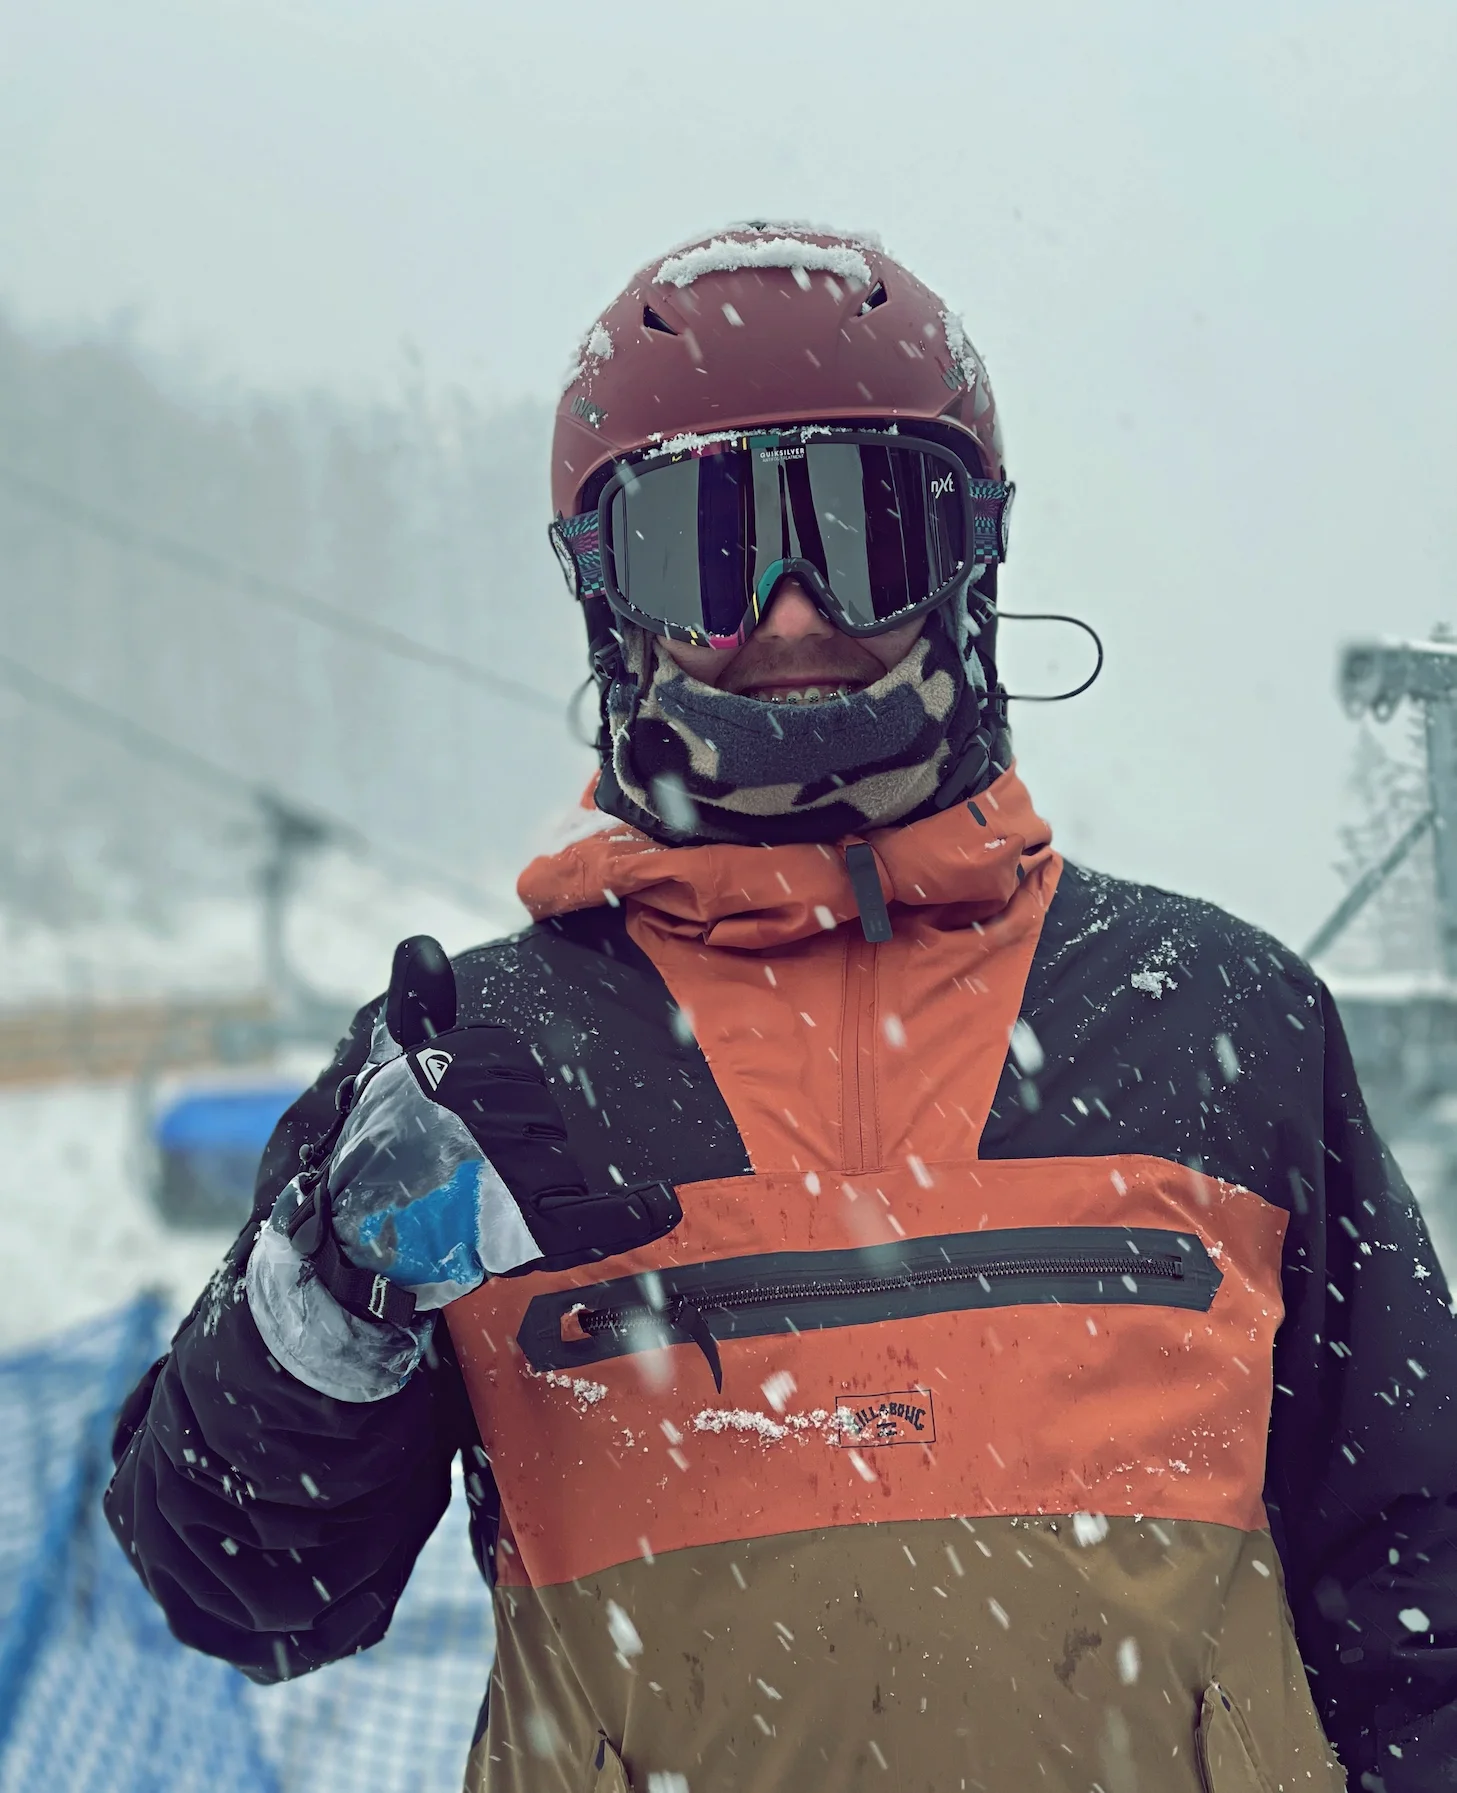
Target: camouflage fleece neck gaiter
x: 689, y: 762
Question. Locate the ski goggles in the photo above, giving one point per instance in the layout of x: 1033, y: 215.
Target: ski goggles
x: 690, y: 542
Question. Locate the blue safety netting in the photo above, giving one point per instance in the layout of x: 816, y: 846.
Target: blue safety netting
x: 96, y: 1696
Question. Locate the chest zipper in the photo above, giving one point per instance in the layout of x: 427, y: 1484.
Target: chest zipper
x: 859, y: 1117
x: 688, y: 1313
x: 811, y: 1291
x: 859, y: 1103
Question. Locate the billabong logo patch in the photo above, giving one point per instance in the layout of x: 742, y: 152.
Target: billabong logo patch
x: 903, y: 1417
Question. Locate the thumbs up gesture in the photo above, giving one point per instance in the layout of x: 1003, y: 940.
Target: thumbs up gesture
x: 451, y: 1163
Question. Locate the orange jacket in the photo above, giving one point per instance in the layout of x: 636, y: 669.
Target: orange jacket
x: 970, y: 1386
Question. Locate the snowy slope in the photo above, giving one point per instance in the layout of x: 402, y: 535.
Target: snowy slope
x: 75, y: 1219
x: 77, y: 1234
x: 342, y: 929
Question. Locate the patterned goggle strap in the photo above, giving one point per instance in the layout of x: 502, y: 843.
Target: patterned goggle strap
x: 577, y: 543
x: 991, y: 514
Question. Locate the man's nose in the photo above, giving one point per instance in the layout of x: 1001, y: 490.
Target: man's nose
x: 792, y: 615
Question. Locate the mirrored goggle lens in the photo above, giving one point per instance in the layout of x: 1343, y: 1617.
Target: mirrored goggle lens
x: 699, y: 543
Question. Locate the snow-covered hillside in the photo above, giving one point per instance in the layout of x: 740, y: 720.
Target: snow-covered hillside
x: 77, y: 1228
x: 342, y: 928
x: 77, y: 1233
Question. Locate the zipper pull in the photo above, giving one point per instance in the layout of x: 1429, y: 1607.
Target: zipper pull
x: 573, y: 1328
x: 865, y: 882
x: 687, y: 1316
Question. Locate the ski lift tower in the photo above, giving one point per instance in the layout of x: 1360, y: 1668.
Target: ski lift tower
x: 1403, y: 1025
x: 299, y: 1013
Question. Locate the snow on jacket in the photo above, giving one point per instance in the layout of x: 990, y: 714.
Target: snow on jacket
x: 1071, y: 1415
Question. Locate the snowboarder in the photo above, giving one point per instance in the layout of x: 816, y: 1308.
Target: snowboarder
x: 915, y: 1312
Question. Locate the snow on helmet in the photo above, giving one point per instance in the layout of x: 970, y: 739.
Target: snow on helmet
x: 767, y: 323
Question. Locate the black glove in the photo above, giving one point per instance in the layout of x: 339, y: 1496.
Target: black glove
x: 450, y: 1163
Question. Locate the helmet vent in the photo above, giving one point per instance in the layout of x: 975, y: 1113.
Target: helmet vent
x: 651, y: 321
x: 876, y: 296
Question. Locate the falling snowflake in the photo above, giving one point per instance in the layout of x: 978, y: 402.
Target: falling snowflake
x: 778, y: 1388
x: 1027, y: 1049
x: 623, y: 1632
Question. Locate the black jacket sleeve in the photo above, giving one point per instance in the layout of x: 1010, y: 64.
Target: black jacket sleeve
x: 1363, y: 1448
x: 1172, y: 1028
x: 275, y: 1526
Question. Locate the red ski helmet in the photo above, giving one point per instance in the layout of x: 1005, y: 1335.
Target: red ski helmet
x: 767, y: 323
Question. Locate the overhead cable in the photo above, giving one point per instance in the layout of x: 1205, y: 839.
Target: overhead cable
x: 203, y: 564
x: 146, y: 743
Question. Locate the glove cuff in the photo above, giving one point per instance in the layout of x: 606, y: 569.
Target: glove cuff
x: 315, y: 1340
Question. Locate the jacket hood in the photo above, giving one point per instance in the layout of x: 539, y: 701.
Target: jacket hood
x: 970, y: 858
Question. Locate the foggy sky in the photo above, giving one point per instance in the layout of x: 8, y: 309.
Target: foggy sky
x: 1209, y: 255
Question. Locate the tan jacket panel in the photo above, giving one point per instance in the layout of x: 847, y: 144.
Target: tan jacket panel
x: 1000, y: 1655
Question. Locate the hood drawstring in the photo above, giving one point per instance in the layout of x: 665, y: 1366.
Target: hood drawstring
x: 869, y: 900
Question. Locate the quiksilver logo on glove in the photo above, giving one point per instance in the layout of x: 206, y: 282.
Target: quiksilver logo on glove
x: 434, y: 1062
